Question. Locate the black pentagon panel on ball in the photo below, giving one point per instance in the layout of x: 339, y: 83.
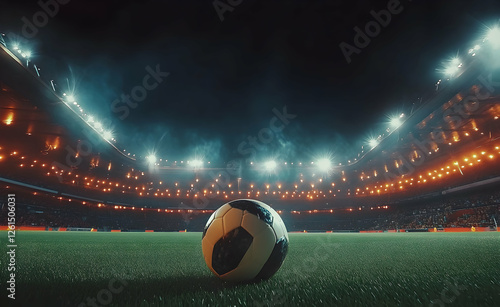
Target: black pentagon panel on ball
x: 253, y: 208
x: 205, y: 230
x: 230, y: 249
x: 209, y: 222
x: 275, y: 260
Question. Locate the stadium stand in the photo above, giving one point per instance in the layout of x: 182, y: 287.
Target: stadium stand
x: 481, y: 209
x: 69, y: 173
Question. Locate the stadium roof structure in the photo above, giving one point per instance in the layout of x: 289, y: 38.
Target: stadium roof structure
x: 450, y: 141
x: 26, y: 79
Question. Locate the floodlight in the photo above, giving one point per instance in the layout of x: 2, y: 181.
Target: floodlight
x: 270, y: 165
x: 452, y: 67
x: 151, y: 159
x: 373, y: 143
x: 493, y: 36
x: 324, y: 164
x: 395, y: 122
x: 108, y: 135
x: 196, y: 163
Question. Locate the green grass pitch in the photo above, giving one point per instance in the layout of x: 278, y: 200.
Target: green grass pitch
x: 167, y: 269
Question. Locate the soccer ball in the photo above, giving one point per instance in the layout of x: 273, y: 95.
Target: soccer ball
x: 244, y: 240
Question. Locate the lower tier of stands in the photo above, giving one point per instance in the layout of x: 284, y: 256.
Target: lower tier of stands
x: 466, y: 210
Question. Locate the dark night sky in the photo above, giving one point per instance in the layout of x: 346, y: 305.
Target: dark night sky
x: 226, y: 77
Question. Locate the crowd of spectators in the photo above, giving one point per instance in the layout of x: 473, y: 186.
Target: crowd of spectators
x: 51, y: 212
x: 481, y: 209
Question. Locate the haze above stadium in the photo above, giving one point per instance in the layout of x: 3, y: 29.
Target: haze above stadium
x: 227, y: 76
